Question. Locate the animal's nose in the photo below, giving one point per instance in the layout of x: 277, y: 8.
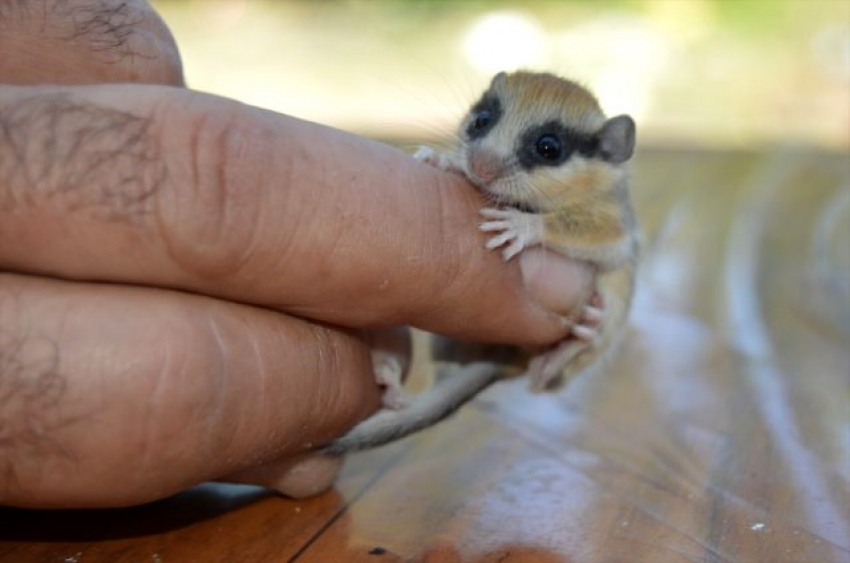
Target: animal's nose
x: 485, y: 166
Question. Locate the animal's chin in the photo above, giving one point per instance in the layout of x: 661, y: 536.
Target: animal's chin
x: 492, y: 193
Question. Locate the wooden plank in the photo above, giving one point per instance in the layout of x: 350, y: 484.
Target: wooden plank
x: 693, y: 446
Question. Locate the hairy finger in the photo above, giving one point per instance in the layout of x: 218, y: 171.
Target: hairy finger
x: 118, y: 395
x: 164, y: 186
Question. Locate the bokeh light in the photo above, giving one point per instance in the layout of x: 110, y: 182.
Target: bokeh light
x: 500, y: 41
x: 692, y: 72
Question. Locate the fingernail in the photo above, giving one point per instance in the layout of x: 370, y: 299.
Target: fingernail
x: 558, y: 284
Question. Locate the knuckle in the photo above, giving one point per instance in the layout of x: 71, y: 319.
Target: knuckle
x: 209, y: 217
x: 342, y: 362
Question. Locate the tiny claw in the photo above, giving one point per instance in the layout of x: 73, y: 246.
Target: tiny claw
x: 515, y: 228
x: 492, y: 226
x: 593, y: 315
x: 511, y: 251
x: 493, y: 213
x: 584, y: 333
x: 498, y: 240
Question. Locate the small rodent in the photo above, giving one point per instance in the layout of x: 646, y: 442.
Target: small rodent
x: 540, y: 149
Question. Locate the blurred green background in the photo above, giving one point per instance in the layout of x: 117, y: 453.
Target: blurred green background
x: 714, y: 73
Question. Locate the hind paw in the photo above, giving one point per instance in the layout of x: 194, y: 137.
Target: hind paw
x: 546, y: 370
x: 388, y: 374
x: 587, y: 327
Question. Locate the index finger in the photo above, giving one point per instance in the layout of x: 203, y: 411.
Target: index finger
x: 162, y: 186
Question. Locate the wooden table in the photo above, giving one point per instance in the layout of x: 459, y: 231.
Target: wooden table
x: 720, y: 434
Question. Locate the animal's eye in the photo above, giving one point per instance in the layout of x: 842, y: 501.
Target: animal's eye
x: 482, y: 119
x: 548, y: 147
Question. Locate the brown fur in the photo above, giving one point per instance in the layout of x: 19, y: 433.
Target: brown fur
x: 584, y: 201
x: 548, y: 95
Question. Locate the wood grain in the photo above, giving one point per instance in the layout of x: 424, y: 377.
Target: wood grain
x: 721, y: 433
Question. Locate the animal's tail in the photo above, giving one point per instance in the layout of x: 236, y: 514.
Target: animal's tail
x: 446, y: 396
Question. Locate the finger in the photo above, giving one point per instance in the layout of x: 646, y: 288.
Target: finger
x: 297, y: 477
x: 86, y: 42
x: 312, y: 473
x: 115, y: 395
x: 163, y: 186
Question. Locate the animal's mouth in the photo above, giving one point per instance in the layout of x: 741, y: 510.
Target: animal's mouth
x: 524, y: 207
x: 501, y: 200
x: 488, y: 184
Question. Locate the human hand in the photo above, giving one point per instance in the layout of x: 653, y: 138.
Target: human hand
x: 190, y: 285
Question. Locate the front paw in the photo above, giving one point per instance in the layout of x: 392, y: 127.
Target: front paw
x: 430, y: 156
x: 514, y: 228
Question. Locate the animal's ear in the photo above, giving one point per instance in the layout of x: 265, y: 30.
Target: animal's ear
x: 499, y: 79
x: 617, y: 139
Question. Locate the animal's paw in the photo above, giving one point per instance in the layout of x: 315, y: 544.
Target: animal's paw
x: 514, y: 229
x: 425, y: 154
x: 388, y: 374
x: 587, y: 327
x: 430, y: 156
x: 546, y: 369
